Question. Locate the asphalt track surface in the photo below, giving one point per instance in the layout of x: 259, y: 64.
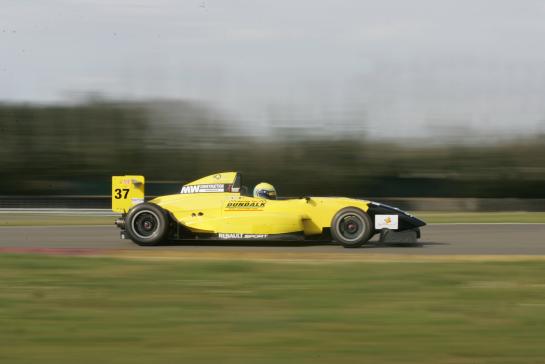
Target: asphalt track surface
x: 439, y: 239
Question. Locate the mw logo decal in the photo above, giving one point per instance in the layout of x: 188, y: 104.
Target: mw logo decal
x: 203, y: 188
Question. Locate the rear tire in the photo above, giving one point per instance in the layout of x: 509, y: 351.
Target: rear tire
x: 147, y: 224
x: 351, y: 227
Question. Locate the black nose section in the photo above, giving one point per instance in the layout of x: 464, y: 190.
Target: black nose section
x: 406, y: 220
x: 412, y: 221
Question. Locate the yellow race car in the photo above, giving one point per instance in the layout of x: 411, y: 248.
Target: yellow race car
x: 216, y: 207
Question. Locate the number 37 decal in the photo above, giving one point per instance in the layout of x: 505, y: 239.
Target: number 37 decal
x: 121, y: 193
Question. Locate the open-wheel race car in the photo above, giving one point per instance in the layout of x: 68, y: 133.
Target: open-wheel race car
x: 216, y: 208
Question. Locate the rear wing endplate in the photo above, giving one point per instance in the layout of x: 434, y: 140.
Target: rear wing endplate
x: 127, y: 191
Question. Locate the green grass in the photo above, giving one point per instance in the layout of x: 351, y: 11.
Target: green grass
x: 482, y: 217
x: 23, y: 219
x: 91, y: 310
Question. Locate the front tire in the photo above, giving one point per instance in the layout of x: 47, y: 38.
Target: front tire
x: 147, y: 224
x: 351, y: 227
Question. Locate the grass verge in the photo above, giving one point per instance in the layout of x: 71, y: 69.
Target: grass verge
x: 89, y: 310
x: 481, y: 217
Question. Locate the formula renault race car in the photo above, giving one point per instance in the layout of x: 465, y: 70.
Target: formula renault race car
x: 214, y: 208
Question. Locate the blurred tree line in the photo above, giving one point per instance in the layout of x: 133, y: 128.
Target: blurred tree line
x: 74, y: 149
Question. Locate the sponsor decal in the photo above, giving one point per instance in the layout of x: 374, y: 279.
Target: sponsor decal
x: 203, y: 188
x: 241, y: 236
x: 386, y: 222
x: 245, y: 205
x: 217, y: 176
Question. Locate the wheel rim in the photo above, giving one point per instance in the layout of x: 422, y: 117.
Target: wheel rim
x: 351, y: 227
x: 145, y: 224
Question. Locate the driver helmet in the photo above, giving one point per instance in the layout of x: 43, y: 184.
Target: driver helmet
x: 265, y: 190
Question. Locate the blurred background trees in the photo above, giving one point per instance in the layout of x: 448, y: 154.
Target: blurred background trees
x: 73, y: 149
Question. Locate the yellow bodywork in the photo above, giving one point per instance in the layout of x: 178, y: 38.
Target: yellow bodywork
x: 213, y: 204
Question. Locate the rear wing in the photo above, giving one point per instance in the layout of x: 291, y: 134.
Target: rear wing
x: 127, y: 191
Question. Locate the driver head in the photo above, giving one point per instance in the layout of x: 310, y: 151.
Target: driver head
x: 265, y: 190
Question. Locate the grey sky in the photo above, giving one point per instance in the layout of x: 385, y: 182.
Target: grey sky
x: 406, y: 67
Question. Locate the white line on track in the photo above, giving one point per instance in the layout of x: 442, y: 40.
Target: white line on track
x: 54, y: 226
x: 484, y: 223
x: 60, y: 211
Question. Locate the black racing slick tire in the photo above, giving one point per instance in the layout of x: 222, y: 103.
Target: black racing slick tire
x: 351, y: 227
x: 147, y: 224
